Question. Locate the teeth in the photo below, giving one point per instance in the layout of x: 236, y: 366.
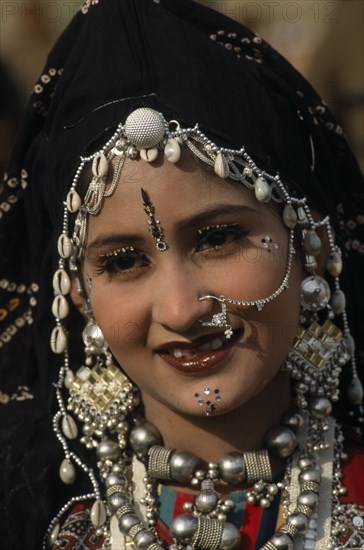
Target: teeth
x: 216, y: 343
x: 205, y: 347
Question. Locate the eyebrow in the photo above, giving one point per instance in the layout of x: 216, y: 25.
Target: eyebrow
x: 214, y: 212
x: 195, y: 220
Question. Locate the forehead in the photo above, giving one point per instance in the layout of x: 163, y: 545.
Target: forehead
x: 176, y: 191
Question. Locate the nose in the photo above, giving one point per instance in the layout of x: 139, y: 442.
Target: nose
x: 176, y: 303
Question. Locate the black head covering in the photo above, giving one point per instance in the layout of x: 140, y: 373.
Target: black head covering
x: 194, y: 65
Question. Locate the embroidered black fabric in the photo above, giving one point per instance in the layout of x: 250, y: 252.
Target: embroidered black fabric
x: 194, y: 65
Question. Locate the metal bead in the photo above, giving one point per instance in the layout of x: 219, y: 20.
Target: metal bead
x: 127, y: 521
x: 116, y: 501
x: 172, y: 150
x: 298, y: 520
x: 232, y: 467
x: 281, y: 441
x: 183, y: 528
x: 149, y: 155
x: 206, y: 501
x: 92, y: 336
x: 98, y: 513
x: 320, y: 408
x: 308, y: 498
x: 230, y: 538
x: 73, y: 201
x: 67, y: 472
x: 305, y: 463
x: 289, y: 216
x: 294, y: 420
x: 310, y: 264
x: 281, y: 541
x: 64, y: 246
x: 310, y: 475
x: 183, y: 466
x: 262, y: 190
x: 143, y: 437
x: 113, y: 479
x: 108, y: 449
x: 312, y: 243
x: 221, y: 166
x: 58, y: 340
x: 69, y: 427
x: 145, y: 128
x: 61, y: 282
x: 60, y: 307
x: 315, y: 293
x: 144, y: 539
x: 338, y: 302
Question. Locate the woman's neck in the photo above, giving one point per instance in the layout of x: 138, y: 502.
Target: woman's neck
x: 242, y: 429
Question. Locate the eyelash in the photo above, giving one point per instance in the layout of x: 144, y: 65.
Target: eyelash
x: 111, y: 262
x: 224, y: 230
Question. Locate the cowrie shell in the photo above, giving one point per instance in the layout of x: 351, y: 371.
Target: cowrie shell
x: 60, y: 307
x: 69, y: 427
x: 172, y: 150
x: 67, y: 472
x: 262, y: 190
x: 58, y: 340
x: 61, y: 282
x: 100, y: 166
x: 221, y: 166
x: 98, y: 513
x: 149, y: 155
x: 73, y: 201
x: 65, y: 246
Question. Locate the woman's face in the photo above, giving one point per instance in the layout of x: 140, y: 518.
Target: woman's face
x: 146, y: 301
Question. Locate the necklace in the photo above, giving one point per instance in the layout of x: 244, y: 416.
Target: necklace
x: 204, y: 524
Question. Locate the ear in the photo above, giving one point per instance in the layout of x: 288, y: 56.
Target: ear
x: 76, y: 295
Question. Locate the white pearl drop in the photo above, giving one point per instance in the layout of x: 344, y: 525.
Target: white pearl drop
x: 149, y: 155
x: 61, y: 282
x: 73, y: 201
x: 262, y: 190
x: 58, y: 340
x: 53, y: 535
x: 60, y: 307
x: 98, y: 513
x: 69, y: 378
x: 100, y: 166
x: 67, y: 472
x: 172, y: 150
x: 221, y: 166
x: 69, y: 427
x: 65, y: 246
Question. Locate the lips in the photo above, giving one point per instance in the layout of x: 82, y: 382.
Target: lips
x: 204, y: 354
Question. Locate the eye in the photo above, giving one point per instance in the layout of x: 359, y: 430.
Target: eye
x: 126, y: 260
x: 214, y: 237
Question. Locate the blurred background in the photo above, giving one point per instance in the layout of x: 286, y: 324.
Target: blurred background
x: 323, y: 39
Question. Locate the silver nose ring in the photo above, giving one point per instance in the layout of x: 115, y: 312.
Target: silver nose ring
x: 219, y: 320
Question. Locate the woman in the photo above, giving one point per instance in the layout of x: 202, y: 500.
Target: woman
x: 181, y: 178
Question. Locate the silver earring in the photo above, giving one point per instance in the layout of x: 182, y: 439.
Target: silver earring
x: 218, y: 319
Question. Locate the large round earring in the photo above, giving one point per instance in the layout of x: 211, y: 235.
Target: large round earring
x: 218, y: 319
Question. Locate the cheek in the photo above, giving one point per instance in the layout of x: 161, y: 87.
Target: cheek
x: 122, y: 321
